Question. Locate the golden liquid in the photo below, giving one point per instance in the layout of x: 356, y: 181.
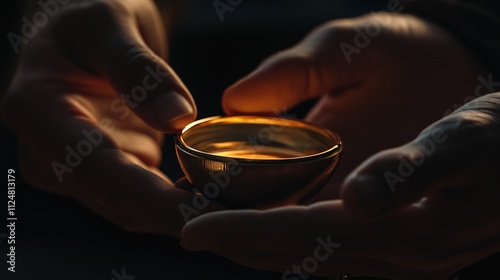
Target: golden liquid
x: 257, y: 152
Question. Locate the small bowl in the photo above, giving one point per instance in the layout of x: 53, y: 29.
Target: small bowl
x: 257, y: 162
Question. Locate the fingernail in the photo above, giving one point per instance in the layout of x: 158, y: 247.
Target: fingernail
x: 172, y: 108
x: 372, y: 192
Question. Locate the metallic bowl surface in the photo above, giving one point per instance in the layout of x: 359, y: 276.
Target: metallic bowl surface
x: 257, y: 162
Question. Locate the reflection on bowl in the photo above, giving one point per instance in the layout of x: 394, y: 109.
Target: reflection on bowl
x: 257, y: 162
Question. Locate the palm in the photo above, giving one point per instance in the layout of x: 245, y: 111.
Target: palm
x: 71, y: 81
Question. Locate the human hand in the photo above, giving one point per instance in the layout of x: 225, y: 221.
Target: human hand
x: 373, y: 103
x: 406, y: 75
x: 441, y: 217
x: 89, y: 102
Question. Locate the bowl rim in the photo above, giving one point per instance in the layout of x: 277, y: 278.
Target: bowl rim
x: 330, y: 152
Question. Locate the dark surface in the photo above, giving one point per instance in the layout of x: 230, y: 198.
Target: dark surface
x: 56, y: 238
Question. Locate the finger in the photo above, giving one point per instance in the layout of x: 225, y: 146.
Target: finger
x: 284, y: 238
x: 86, y: 160
x: 117, y: 51
x: 286, y: 230
x: 269, y: 239
x: 441, y: 157
x: 313, y: 67
x: 297, y: 230
x: 216, y: 238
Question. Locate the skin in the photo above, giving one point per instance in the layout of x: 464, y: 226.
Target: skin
x: 429, y: 223
x: 76, y: 67
x: 71, y: 79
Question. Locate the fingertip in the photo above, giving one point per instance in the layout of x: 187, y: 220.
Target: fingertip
x: 150, y: 88
x: 206, y: 230
x: 193, y: 235
x: 245, y: 96
x: 228, y: 99
x: 179, y: 123
x: 186, y: 239
x: 280, y: 82
x: 174, y: 111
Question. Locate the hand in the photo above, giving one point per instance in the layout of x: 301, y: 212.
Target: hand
x: 405, y: 76
x: 90, y: 100
x: 441, y: 217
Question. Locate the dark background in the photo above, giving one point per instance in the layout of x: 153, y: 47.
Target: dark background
x: 56, y: 238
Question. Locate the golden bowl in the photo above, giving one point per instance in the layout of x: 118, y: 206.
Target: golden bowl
x: 257, y: 162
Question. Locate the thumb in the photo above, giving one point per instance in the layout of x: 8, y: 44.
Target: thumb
x: 149, y: 87
x: 124, y: 49
x: 311, y: 68
x: 439, y: 158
